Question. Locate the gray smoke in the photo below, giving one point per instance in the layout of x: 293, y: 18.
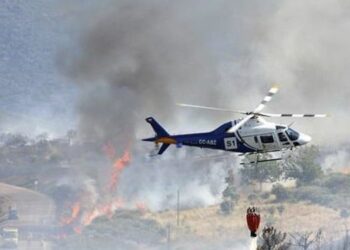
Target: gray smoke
x: 305, y: 49
x: 136, y: 59
x: 198, y: 178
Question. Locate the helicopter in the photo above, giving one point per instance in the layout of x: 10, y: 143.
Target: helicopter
x: 249, y: 135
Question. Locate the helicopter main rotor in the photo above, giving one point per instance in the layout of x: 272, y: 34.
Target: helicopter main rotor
x: 256, y: 112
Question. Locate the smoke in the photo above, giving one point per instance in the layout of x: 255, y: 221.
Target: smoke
x: 156, y: 182
x: 305, y: 50
x: 338, y: 160
x: 136, y: 59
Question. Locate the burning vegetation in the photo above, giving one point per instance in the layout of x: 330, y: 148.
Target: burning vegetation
x: 108, y: 202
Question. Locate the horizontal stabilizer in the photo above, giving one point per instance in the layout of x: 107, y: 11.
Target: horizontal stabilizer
x: 150, y: 139
x: 163, y: 148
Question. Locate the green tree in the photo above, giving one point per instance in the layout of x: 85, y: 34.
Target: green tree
x: 303, y: 165
x: 230, y: 196
x: 261, y: 172
x: 280, y: 192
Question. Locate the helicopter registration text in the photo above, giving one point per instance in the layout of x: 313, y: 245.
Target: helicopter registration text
x: 230, y: 143
x: 207, y: 142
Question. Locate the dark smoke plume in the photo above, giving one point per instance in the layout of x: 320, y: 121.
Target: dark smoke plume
x: 136, y: 59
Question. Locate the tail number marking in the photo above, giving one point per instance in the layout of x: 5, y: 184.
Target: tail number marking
x: 207, y: 142
x: 230, y: 143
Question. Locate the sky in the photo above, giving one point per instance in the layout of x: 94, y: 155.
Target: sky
x: 96, y: 65
x: 35, y: 96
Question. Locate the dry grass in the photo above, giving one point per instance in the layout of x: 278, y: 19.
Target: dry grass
x: 210, y: 224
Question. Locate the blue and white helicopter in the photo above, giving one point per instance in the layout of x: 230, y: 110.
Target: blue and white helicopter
x: 249, y: 135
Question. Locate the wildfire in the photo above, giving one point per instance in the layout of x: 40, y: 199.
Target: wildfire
x: 83, y: 215
x: 118, y: 167
x: 102, y: 210
x: 75, y: 210
x: 77, y: 230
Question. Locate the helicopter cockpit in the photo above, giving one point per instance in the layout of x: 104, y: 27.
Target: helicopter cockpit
x: 292, y: 134
x: 286, y: 135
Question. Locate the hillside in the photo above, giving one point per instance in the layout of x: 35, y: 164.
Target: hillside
x: 208, y: 223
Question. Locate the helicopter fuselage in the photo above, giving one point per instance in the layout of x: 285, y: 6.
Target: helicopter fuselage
x: 256, y: 135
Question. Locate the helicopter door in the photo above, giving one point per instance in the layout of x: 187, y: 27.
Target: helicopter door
x: 253, y: 141
x: 269, y: 142
x: 283, y: 139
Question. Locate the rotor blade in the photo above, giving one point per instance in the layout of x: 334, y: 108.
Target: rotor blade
x: 209, y: 108
x: 266, y: 99
x: 240, y: 124
x: 294, y: 115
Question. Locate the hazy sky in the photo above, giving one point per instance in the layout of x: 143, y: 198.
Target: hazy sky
x: 60, y: 58
x: 35, y: 97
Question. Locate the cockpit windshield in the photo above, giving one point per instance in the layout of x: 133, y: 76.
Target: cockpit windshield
x: 292, y: 134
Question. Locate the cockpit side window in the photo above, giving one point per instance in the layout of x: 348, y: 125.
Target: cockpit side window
x: 282, y: 137
x: 292, y: 134
x: 280, y: 127
x: 266, y: 139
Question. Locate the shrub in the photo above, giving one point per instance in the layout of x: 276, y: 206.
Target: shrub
x: 226, y: 207
x: 271, y: 210
x: 265, y: 195
x: 252, y: 197
x: 280, y: 209
x: 280, y: 192
x: 337, y: 182
x: 230, y: 192
x: 313, y: 194
x: 303, y: 166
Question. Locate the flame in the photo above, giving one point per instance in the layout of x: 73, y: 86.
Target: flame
x: 82, y: 216
x: 102, y: 210
x: 118, y: 167
x: 77, y: 230
x: 75, y: 210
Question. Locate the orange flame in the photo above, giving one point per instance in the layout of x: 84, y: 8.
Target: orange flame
x: 102, y: 210
x: 77, y: 230
x: 88, y: 215
x: 118, y: 167
x: 75, y: 210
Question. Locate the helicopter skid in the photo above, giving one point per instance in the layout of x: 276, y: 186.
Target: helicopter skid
x: 267, y: 160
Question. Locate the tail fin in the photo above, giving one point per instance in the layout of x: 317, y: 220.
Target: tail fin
x: 160, y: 131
